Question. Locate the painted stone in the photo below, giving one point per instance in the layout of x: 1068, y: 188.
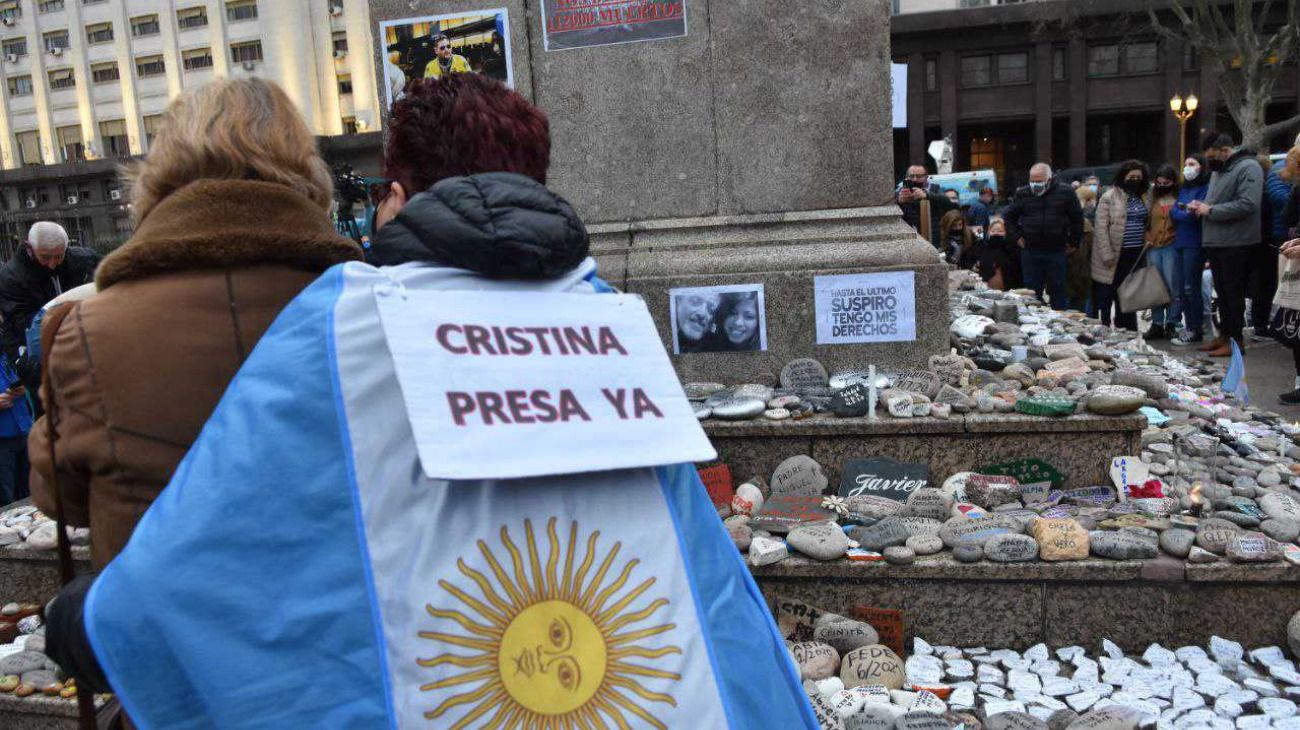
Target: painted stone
x: 875, y: 664
x: 799, y: 474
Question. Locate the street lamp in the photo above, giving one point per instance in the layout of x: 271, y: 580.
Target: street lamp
x: 1183, y: 109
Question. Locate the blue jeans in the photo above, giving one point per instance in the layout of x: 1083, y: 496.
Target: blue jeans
x: 1163, y: 259
x: 1045, y: 269
x: 1189, y: 300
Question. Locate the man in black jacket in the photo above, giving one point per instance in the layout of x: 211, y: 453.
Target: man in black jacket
x: 915, y: 188
x: 45, y: 267
x: 1046, y: 222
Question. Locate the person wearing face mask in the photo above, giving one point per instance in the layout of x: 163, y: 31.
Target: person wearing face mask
x: 1119, y: 239
x: 1160, y: 252
x: 958, y: 242
x: 1189, y: 260
x: 1046, y: 223
x: 999, y: 262
x: 1230, y: 225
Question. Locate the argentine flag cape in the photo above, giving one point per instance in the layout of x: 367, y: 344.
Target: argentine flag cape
x: 301, y: 571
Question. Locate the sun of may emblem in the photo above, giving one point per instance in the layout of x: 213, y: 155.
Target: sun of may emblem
x: 553, y: 647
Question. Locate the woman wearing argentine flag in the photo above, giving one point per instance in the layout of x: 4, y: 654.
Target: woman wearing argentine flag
x: 476, y: 460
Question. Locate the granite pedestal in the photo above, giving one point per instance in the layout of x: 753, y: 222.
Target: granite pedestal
x: 1080, y: 446
x: 1132, y: 603
x: 741, y: 153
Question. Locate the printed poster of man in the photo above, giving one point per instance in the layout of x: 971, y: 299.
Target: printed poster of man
x: 718, y: 319
x: 569, y: 24
x: 434, y: 46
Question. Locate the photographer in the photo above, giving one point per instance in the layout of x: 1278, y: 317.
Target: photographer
x: 916, y: 188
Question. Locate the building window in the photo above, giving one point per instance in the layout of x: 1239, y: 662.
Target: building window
x: 1191, y: 59
x: 192, y: 18
x: 152, y: 123
x: 104, y: 73
x: 1013, y: 68
x: 197, y: 59
x: 237, y: 10
x: 16, y: 47
x: 99, y: 33
x: 144, y: 25
x: 32, y: 197
x: 1060, y: 63
x: 147, y: 66
x: 976, y: 71
x: 349, y: 125
x: 10, y: 10
x: 345, y: 84
x: 931, y: 74
x: 92, y: 2
x: 62, y: 78
x: 1003, y: 68
x: 336, y: 7
x: 122, y: 224
x: 20, y: 85
x: 1141, y: 58
x: 340, y: 41
x: 112, y: 134
x: 70, y: 145
x: 1103, y: 60
x: 56, y: 41
x: 49, y: 6
x: 246, y: 52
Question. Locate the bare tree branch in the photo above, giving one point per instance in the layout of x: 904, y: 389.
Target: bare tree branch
x: 1232, y: 37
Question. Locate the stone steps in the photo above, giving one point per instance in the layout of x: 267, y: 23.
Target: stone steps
x: 1017, y: 605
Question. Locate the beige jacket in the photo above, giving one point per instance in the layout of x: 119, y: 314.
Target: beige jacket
x: 1108, y: 234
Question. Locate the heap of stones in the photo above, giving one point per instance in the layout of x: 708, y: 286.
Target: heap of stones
x: 1226, y: 474
x: 23, y: 527
x: 855, y: 683
x: 25, y: 670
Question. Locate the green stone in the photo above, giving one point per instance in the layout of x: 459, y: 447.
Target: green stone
x: 1045, y: 405
x: 1027, y: 471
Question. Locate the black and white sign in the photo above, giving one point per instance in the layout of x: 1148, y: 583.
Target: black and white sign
x: 883, y: 478
x: 857, y: 308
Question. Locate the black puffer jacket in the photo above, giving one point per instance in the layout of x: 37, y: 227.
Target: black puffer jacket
x: 26, y: 286
x: 502, y: 225
x: 1049, y: 222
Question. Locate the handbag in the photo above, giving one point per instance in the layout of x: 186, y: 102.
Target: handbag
x: 1143, y: 288
x: 109, y: 716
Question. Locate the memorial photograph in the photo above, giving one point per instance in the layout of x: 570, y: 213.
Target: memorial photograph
x: 718, y: 319
x: 434, y: 46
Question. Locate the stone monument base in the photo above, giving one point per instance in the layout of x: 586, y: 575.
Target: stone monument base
x: 1017, y: 605
x: 1080, y: 446
x: 784, y: 252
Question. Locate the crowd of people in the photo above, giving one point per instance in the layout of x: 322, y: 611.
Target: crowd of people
x: 1213, y: 228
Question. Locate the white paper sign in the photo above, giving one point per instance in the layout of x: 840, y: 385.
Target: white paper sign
x: 1126, y: 471
x: 858, y: 308
x: 520, y: 384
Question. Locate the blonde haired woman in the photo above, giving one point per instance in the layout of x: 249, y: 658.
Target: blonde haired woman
x: 231, y: 223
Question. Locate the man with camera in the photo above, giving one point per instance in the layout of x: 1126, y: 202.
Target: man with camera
x: 915, y: 190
